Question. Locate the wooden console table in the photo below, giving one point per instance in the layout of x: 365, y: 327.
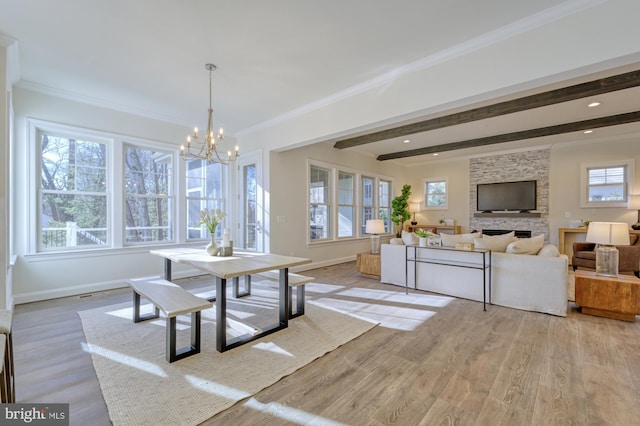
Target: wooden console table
x: 609, y: 297
x: 457, y: 229
x: 368, y: 264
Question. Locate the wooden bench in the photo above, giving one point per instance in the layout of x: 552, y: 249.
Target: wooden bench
x: 295, y: 280
x: 173, y: 300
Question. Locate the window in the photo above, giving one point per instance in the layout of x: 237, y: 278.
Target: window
x: 148, y: 195
x: 384, y: 203
x: 346, y: 204
x: 319, y: 206
x: 606, y: 184
x: 205, y: 190
x: 346, y: 198
x: 435, y: 194
x: 73, y: 198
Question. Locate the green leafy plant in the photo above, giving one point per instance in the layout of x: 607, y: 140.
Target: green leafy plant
x: 423, y: 234
x: 400, y: 209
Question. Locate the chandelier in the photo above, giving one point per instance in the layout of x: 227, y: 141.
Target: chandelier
x: 208, y: 149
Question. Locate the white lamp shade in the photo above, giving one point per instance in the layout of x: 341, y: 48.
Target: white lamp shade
x: 376, y: 226
x: 608, y: 233
x: 414, y: 207
x: 633, y: 202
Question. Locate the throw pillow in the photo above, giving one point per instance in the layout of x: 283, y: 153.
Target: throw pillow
x: 526, y: 245
x: 497, y: 243
x: 409, y: 238
x: 450, y: 240
x: 549, y: 250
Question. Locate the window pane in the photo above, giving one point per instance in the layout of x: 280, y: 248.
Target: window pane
x: 345, y: 188
x: 607, y: 184
x: 345, y: 221
x: 205, y: 190
x: 319, y: 207
x: 148, y: 201
x: 606, y: 193
x: 436, y: 193
x: 319, y: 228
x: 73, y: 199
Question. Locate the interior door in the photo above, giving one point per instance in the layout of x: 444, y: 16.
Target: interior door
x: 251, y: 230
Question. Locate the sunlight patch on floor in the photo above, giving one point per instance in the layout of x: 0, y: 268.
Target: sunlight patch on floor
x: 292, y: 415
x: 394, y: 296
x: 216, y: 388
x: 124, y: 359
x: 395, y: 317
x: 272, y: 347
x: 322, y: 288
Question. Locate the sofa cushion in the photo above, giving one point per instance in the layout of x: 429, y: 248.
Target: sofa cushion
x: 497, y: 243
x: 549, y: 250
x: 450, y: 240
x: 409, y: 238
x: 526, y: 245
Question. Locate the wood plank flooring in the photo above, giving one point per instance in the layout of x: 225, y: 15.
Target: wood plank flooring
x: 457, y: 365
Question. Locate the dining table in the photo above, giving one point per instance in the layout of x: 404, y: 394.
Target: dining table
x: 240, y: 264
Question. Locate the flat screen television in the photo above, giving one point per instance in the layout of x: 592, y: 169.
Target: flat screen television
x: 507, y: 196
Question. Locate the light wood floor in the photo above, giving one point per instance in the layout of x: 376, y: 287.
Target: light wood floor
x: 459, y: 366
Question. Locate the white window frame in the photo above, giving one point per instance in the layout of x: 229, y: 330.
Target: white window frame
x: 334, y: 171
x: 425, y: 183
x: 584, y: 182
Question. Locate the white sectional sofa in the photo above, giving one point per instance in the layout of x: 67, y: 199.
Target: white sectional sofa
x: 528, y: 282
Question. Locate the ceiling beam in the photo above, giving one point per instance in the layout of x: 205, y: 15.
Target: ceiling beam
x: 578, y: 91
x: 612, y: 120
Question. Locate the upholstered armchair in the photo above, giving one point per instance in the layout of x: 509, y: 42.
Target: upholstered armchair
x: 584, y: 255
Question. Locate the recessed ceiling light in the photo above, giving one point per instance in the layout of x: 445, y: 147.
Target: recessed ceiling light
x: 588, y: 131
x: 406, y: 141
x: 593, y: 104
x: 435, y: 153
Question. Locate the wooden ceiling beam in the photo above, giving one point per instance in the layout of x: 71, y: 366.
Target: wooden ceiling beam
x: 612, y: 120
x: 578, y: 91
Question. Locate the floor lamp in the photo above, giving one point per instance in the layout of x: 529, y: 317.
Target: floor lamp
x: 607, y: 235
x: 375, y: 227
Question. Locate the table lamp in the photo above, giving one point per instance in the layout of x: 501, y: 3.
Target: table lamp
x: 607, y: 235
x: 633, y: 203
x: 375, y: 227
x: 414, y: 208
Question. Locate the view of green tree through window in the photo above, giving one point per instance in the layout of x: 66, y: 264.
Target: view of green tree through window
x: 73, y: 196
x: 148, y: 195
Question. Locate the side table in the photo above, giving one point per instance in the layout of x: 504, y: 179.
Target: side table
x: 368, y: 264
x: 609, y: 297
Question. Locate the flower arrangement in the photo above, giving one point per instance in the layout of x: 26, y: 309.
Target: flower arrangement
x: 211, y: 218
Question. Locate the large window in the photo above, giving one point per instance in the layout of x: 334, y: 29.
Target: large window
x: 319, y: 203
x: 345, y: 197
x: 205, y: 190
x: 606, y: 184
x: 346, y: 204
x: 148, y: 195
x: 73, y: 197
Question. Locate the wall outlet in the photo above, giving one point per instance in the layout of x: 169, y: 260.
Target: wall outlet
x: 282, y: 219
x: 567, y: 214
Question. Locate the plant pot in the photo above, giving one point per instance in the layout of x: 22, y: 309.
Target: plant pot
x: 422, y: 241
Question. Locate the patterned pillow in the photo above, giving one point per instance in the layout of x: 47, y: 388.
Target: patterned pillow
x: 409, y: 238
x: 549, y: 250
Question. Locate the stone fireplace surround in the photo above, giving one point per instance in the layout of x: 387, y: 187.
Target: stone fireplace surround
x: 516, y: 166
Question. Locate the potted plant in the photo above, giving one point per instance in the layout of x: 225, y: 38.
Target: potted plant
x: 423, y: 236
x: 400, y: 209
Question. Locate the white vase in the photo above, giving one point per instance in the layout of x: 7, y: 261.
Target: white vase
x: 422, y: 241
x: 212, y: 248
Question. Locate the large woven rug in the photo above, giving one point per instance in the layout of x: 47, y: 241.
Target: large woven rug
x: 141, y: 388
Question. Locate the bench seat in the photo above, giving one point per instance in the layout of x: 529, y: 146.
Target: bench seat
x: 295, y: 280
x: 173, y: 300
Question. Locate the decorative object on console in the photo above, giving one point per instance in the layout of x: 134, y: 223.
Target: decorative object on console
x: 209, y: 149
x: 414, y: 208
x: 607, y: 235
x: 423, y: 237
x: 375, y: 227
x: 400, y: 209
x: 465, y: 246
x: 633, y: 203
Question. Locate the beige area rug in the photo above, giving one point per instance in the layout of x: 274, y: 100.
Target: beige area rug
x: 141, y: 388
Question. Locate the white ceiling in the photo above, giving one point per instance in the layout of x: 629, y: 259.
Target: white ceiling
x: 147, y: 56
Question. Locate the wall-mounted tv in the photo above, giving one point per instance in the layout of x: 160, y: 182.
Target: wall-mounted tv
x: 507, y: 196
